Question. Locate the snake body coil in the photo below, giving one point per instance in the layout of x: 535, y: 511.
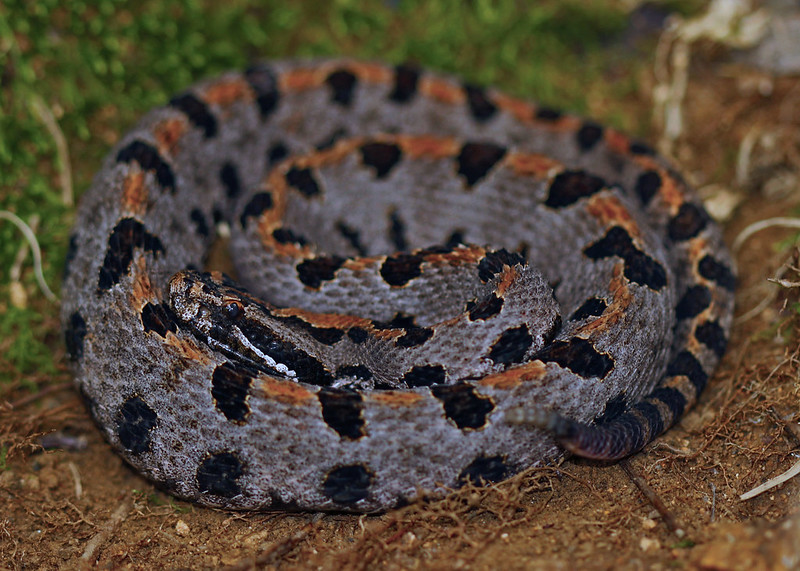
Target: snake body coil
x: 460, y: 285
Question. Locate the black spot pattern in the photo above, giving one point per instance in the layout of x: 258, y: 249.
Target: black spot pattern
x: 135, y: 422
x: 424, y: 376
x: 128, y: 235
x: 380, y: 156
x: 357, y: 335
x: 570, y: 186
x: 256, y: 207
x: 493, y: 262
x: 480, y: 105
x: 579, y: 356
x: 149, y: 160
x: 73, y: 336
x: 647, y: 185
x: 485, y: 470
x: 406, y: 78
x: 511, y: 346
x: 329, y: 141
x: 158, y: 318
x: 200, y: 222
x: 342, y: 410
x: 414, y: 337
x: 277, y: 153
x: 72, y: 250
x: 343, y: 84
x: 696, y: 299
x: 592, y: 307
x: 303, y: 180
x: 288, y: 236
x: 353, y: 237
x: 230, y: 384
x: 476, y: 159
x: 639, y: 267
x: 265, y: 85
x: 488, y: 307
x: 197, y: 112
x: 673, y: 398
x: 463, y: 405
x: 652, y: 419
x: 716, y: 271
x: 397, y: 231
x: 360, y: 372
x: 589, y: 135
x: 219, y: 474
x: 401, y: 268
x: 317, y: 270
x: 229, y: 178
x: 325, y: 335
x: 687, y: 223
x: 687, y: 365
x: 347, y: 485
x: 548, y: 114
x: 639, y: 148
x: 712, y: 335
x: 615, y: 407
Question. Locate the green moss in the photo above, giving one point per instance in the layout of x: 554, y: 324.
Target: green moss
x: 99, y: 65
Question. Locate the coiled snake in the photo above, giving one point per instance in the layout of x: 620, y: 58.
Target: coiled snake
x: 461, y: 284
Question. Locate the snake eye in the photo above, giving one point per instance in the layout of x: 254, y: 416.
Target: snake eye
x: 234, y: 309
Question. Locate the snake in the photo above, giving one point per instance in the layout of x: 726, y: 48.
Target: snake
x: 434, y: 284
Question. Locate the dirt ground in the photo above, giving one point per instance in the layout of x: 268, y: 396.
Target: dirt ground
x: 676, y: 505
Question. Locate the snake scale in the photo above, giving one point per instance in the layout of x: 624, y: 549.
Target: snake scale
x: 460, y: 285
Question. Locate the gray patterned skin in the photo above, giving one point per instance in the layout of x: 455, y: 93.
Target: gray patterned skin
x: 418, y: 361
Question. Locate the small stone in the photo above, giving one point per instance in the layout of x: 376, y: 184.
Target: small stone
x: 181, y: 528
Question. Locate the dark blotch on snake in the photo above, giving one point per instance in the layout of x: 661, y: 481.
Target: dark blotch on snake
x: 343, y: 84
x: 592, y: 307
x: 230, y: 385
x: 486, y: 308
x: 493, y: 263
x: 715, y: 270
x: 158, y: 318
x: 360, y: 372
x: 579, y: 356
x: 406, y: 78
x: 548, y: 114
x: 696, y: 299
x: 641, y: 149
x: 73, y: 336
x: 352, y: 236
x: 128, y: 235
x: 424, y: 376
x: 288, y: 236
x: 265, y: 85
x: 687, y: 365
x: 229, y: 178
x: 219, y: 474
x: 303, y: 180
x: 647, y: 185
x: 382, y: 157
x: 589, y: 135
x: 347, y: 485
x: 200, y: 222
x: 314, y: 271
x: 485, y: 470
x: 401, y: 268
x: 414, y: 337
x: 357, y: 335
x: 148, y: 159
x: 276, y: 153
x: 639, y: 267
x: 135, y: 421
x: 197, y: 112
x: 687, y: 223
x: 257, y: 205
x: 463, y: 405
x: 480, y: 105
x: 342, y: 410
x: 712, y: 335
x: 397, y: 231
x: 511, y: 346
x: 570, y: 186
x: 476, y: 159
